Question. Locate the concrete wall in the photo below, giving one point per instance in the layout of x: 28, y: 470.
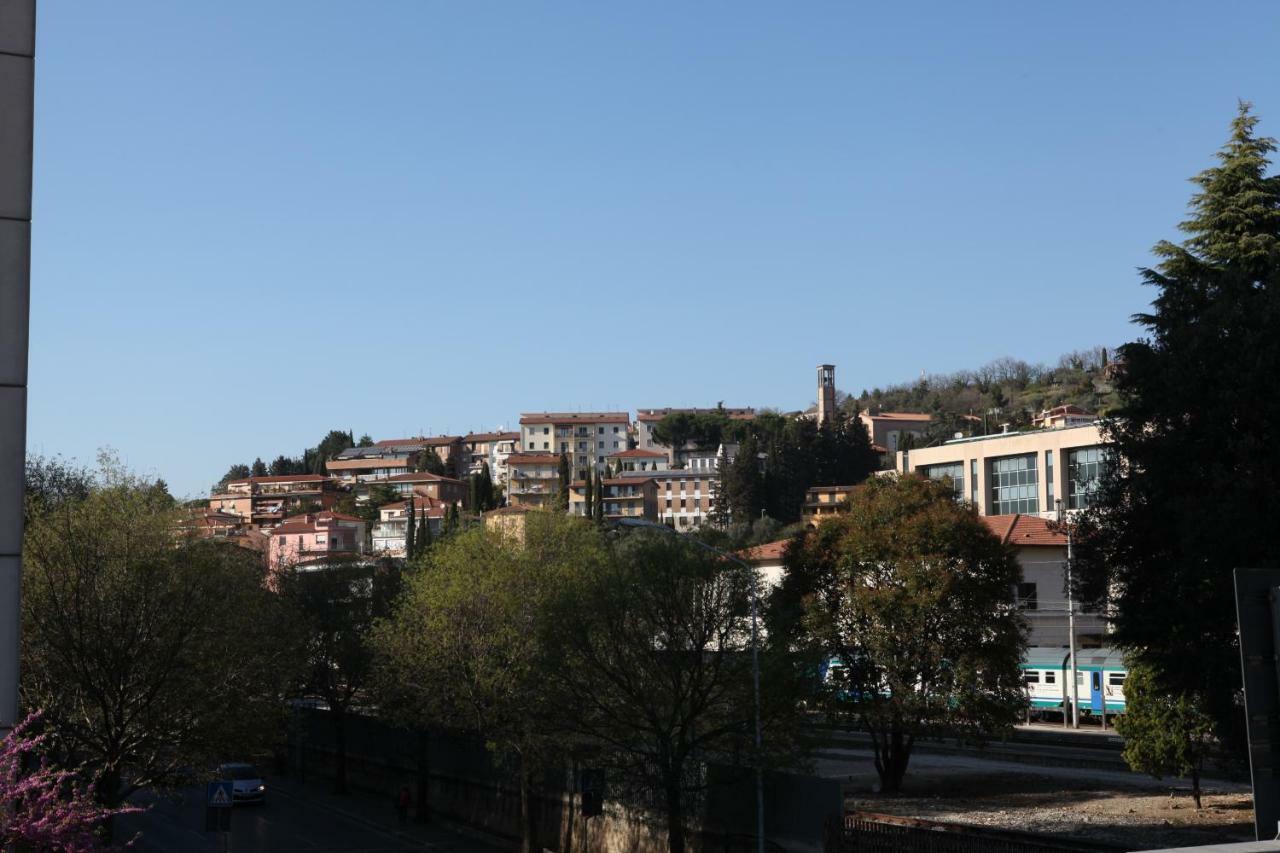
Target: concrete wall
x: 17, y: 93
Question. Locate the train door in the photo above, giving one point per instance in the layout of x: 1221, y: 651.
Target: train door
x: 1095, y: 690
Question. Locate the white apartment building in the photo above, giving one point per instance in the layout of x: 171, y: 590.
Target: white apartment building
x: 585, y: 437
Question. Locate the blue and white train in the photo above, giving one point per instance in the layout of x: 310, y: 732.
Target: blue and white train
x: 1100, y: 676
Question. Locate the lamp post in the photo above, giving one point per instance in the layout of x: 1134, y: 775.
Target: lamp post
x: 1071, y: 629
x: 755, y: 652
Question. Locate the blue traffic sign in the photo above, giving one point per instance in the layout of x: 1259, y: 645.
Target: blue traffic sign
x: 218, y: 794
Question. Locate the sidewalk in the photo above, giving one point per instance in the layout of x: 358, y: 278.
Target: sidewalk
x: 378, y: 813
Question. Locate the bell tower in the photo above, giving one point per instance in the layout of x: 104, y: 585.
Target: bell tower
x: 826, y: 393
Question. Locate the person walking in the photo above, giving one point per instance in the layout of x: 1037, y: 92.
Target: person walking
x: 403, y: 799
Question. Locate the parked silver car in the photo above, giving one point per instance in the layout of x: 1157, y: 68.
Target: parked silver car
x: 247, y: 785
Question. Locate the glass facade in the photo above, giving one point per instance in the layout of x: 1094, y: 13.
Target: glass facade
x: 954, y: 470
x: 1048, y: 477
x: 1085, y: 466
x: 1015, y: 486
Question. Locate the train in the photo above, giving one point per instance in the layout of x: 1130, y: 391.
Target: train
x: 1100, y: 677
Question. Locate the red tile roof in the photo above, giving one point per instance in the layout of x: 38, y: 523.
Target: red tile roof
x: 575, y: 417
x: 636, y: 453
x: 1026, y: 530
x: 533, y: 459
x: 769, y: 552
x: 420, y: 477
x: 490, y: 436
x: 429, y: 441
x: 901, y: 416
x: 282, y: 478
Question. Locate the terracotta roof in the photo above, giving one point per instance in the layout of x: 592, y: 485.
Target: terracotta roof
x: 307, y: 522
x: 648, y: 415
x: 420, y: 477
x: 367, y: 462
x: 575, y: 417
x: 429, y: 441
x: 637, y: 453
x: 1025, y: 530
x: 491, y: 436
x: 282, y: 478
x: 428, y: 509
x: 533, y: 459
x: 769, y: 552
x: 901, y: 416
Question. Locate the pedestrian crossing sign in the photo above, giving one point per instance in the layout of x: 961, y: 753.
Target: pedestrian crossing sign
x: 218, y: 795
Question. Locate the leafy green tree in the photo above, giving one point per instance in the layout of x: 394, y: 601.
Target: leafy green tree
x: 429, y: 461
x: 456, y: 465
x: 283, y: 465
x: 1196, y: 428
x: 52, y: 484
x: 338, y: 606
x: 130, y: 637
x: 235, y: 472
x: 466, y: 647
x: 650, y: 650
x: 334, y: 442
x: 912, y: 594
x: 1164, y: 735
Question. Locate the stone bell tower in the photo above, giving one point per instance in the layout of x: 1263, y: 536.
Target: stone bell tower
x: 826, y: 393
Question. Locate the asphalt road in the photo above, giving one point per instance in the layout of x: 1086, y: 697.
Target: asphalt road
x: 291, y: 821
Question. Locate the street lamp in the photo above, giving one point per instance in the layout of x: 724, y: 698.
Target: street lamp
x: 755, y: 651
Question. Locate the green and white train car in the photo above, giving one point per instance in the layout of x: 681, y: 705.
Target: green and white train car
x: 1100, y: 675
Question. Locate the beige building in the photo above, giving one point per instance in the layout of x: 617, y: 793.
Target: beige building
x: 532, y: 479
x: 585, y: 437
x: 1017, y: 472
x: 264, y: 502
x: 624, y: 497
x: 887, y: 429
x: 685, y: 497
x: 637, y: 459
x: 822, y: 501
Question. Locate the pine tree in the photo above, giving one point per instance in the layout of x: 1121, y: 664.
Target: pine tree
x: 588, y: 502
x: 1196, y: 428
x: 259, y: 469
x: 742, y: 484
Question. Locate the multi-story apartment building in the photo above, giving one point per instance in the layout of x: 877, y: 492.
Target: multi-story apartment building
x: 489, y: 448
x: 532, y: 479
x: 1063, y: 416
x: 624, y: 497
x: 264, y: 502
x: 1018, y: 472
x: 585, y: 437
x: 647, y: 419
x: 391, y: 530
x: 365, y: 465
x: 444, y: 446
x: 435, y: 486
x: 685, y: 497
x: 500, y: 450
x: 313, y: 537
x: 821, y: 502
x: 637, y: 459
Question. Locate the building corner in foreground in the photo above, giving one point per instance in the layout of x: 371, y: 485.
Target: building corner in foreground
x: 17, y: 95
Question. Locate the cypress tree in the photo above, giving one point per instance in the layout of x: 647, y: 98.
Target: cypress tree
x: 1196, y: 428
x: 410, y: 550
x: 588, y: 503
x: 473, y: 492
x: 598, y: 512
x: 562, y: 493
x: 486, y: 487
x: 422, y: 540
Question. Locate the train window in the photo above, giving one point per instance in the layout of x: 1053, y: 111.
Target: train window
x: 1097, y: 681
x: 1115, y: 679
x: 1050, y: 677
x: 1032, y: 677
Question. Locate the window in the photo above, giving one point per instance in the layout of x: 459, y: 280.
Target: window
x: 1048, y: 478
x: 952, y: 470
x: 973, y: 481
x: 1031, y: 676
x: 582, y: 445
x: 546, y: 430
x: 546, y: 446
x: 668, y: 503
x: 1115, y: 679
x: 1014, y: 485
x: 1027, y: 596
x: 1050, y: 676
x: 601, y: 444
x: 1084, y: 468
x: 615, y: 445
x: 533, y: 445
x: 615, y: 432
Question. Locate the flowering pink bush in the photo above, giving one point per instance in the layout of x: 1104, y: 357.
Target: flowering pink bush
x: 42, y: 807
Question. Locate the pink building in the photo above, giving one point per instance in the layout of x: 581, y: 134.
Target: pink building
x: 314, y: 536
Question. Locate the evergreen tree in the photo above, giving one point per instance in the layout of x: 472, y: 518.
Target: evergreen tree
x: 1196, y: 428
x: 562, y: 492
x: 742, y: 482
x: 589, y: 501
x: 410, y: 538
x: 259, y: 469
x: 422, y: 539
x: 429, y: 461
x: 486, y: 488
x: 598, y: 507
x: 473, y: 493
x: 452, y: 521
x: 1164, y: 735
x: 236, y: 472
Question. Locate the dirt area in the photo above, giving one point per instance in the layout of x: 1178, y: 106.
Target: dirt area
x: 1134, y: 818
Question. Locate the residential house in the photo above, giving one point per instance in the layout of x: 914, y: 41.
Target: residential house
x: 444, y: 446
x: 532, y: 479
x: 624, y: 497
x: 508, y: 521
x: 822, y: 502
x: 489, y: 448
x: 265, y: 502
x: 315, y: 537
x: 434, y: 486
x: 1041, y: 548
x: 391, y: 531
x: 637, y: 459
x: 685, y: 497
x: 767, y: 559
x: 1063, y: 416
x: 887, y: 429
x: 585, y: 437
x: 366, y: 465
x: 1018, y: 472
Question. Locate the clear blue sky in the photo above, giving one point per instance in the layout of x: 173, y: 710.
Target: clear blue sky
x: 256, y: 221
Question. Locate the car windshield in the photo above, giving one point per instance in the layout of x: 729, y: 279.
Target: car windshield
x: 241, y: 771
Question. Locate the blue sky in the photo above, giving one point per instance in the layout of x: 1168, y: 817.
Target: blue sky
x: 257, y: 221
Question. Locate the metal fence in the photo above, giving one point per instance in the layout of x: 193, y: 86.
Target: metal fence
x: 867, y: 832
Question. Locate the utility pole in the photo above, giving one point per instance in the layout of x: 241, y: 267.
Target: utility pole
x: 17, y: 98
x: 1071, y: 630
